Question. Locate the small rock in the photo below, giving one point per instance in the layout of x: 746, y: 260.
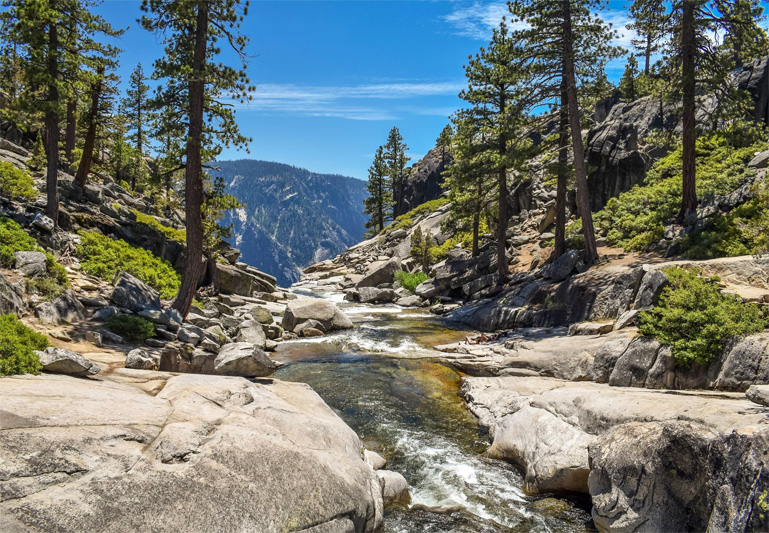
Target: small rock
x: 132, y: 293
x: 154, y: 343
x: 111, y: 337
x: 138, y: 359
x: 262, y: 315
x: 253, y: 332
x: 376, y: 461
x: 43, y: 222
x: 243, y: 359
x: 628, y: 318
x: 311, y: 332
x: 94, y: 301
x: 758, y: 394
x: 105, y: 313
x: 395, y: 488
x: 270, y: 345
x: 190, y: 334
x: 94, y: 337
x: 31, y: 264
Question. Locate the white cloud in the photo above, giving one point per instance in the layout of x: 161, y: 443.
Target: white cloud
x: 349, y: 102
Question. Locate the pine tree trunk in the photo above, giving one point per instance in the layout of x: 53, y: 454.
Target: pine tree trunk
x: 84, y: 169
x: 70, y: 134
x: 52, y: 128
x: 502, y: 268
x: 648, y: 54
x: 688, y: 76
x: 563, y: 161
x: 193, y: 173
x: 477, y: 220
x: 583, y: 196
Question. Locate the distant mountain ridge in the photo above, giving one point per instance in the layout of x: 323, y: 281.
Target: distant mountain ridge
x: 292, y: 217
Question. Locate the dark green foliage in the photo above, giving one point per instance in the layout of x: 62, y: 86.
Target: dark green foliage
x: 697, y: 320
x: 17, y: 346
x: 104, y: 257
x: 378, y: 205
x: 420, y: 248
x: 16, y: 183
x: 13, y: 239
x: 636, y: 218
x: 743, y: 231
x: 410, y: 281
x: 133, y: 328
x: 627, y: 85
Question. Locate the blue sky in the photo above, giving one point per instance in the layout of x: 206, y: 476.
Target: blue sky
x: 333, y: 76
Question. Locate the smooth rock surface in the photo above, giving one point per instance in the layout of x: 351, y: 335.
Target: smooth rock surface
x: 243, y: 359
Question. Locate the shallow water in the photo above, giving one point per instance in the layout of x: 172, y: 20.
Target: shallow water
x: 381, y: 379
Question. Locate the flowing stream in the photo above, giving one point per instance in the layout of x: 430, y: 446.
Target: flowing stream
x: 383, y: 380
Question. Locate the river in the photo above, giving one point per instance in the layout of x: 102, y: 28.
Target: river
x: 383, y: 379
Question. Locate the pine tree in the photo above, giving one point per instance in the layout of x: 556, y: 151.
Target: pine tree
x: 37, y: 161
x: 444, y: 141
x: 55, y: 39
x: 648, y: 19
x: 396, y: 158
x: 627, y: 84
x: 420, y: 248
x: 498, y: 103
x: 137, y: 115
x: 378, y: 205
x: 560, y: 39
x: 194, y: 91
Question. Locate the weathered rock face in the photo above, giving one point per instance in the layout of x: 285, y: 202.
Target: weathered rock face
x: 254, y: 446
x: 380, y: 272
x: 330, y: 316
x: 66, y: 308
x: 425, y: 182
x: 11, y: 300
x: 656, y: 462
x: 243, y: 359
x: 31, y: 264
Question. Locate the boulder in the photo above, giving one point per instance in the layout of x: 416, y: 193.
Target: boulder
x: 429, y: 289
x: 395, y: 488
x: 758, y: 394
x: 650, y: 288
x: 105, y: 313
x: 262, y: 315
x: 31, y: 264
x: 744, y: 363
x: 626, y: 319
x: 373, y: 295
x: 190, y: 334
x: 253, y: 332
x: 233, y: 280
x: 409, y: 301
x: 373, y: 459
x: 61, y: 361
x: 329, y: 315
x: 140, y: 360
x: 94, y: 337
x: 634, y: 364
x: 243, y: 359
x: 66, y: 308
x: 309, y: 324
x: 170, y: 318
x: 132, y: 293
x: 276, y: 455
x: 561, y: 268
x: 761, y: 160
x: 11, y: 301
x: 380, y: 272
x: 43, y: 222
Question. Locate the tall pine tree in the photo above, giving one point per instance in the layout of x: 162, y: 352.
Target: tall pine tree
x: 396, y: 158
x: 137, y: 116
x: 649, y: 19
x: 195, y: 86
x: 378, y: 206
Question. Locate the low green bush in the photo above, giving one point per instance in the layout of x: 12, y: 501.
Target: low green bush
x: 696, y: 319
x: 406, y: 220
x: 16, y: 183
x: 636, y: 218
x: 410, y: 281
x: 17, y: 346
x: 174, y: 234
x: 743, y: 231
x: 133, y: 328
x: 103, y: 257
x: 14, y: 239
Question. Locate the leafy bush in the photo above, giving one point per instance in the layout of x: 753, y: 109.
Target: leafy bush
x: 174, y: 234
x: 743, y: 231
x: 410, y: 281
x: 13, y: 239
x: 696, y: 319
x: 636, y: 218
x: 103, y: 257
x: 16, y: 183
x: 133, y: 328
x: 17, y: 345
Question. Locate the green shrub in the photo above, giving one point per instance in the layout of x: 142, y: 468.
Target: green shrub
x: 636, y: 218
x: 13, y: 239
x: 743, y: 231
x: 17, y: 345
x: 696, y: 319
x: 174, y: 234
x: 103, y: 257
x: 410, y: 281
x: 133, y: 328
x: 16, y: 183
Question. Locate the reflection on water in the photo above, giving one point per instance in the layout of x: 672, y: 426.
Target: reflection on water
x: 380, y: 379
